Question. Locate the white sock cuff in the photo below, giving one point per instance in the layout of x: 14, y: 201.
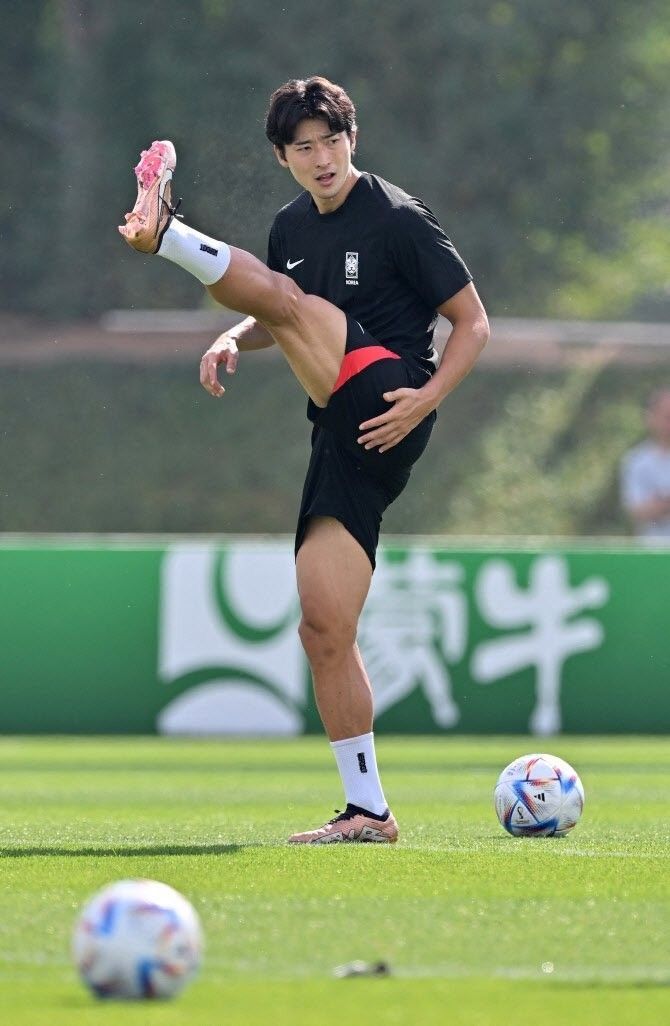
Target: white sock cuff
x: 205, y: 258
x: 359, y: 740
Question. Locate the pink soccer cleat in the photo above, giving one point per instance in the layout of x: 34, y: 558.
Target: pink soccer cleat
x: 153, y: 210
x: 353, y: 825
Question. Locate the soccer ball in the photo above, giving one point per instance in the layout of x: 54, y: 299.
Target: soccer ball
x: 137, y: 939
x: 538, y: 796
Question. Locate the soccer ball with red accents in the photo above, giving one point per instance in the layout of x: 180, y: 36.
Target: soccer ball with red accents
x: 137, y: 939
x: 538, y: 795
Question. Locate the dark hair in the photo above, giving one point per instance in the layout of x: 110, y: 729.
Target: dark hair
x: 313, y: 97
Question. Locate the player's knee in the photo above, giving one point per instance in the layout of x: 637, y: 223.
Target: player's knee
x: 286, y: 300
x: 324, y: 638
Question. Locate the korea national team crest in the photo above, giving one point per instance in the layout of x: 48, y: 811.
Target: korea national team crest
x: 351, y: 268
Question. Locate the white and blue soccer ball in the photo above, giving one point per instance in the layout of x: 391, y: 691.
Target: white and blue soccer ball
x: 137, y: 939
x: 538, y: 795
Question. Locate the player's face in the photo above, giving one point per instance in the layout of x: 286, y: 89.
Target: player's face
x: 320, y: 161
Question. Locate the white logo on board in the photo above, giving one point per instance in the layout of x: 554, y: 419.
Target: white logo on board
x: 548, y: 609
x: 229, y: 646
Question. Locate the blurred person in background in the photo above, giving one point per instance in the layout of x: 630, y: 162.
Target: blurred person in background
x: 645, y: 473
x: 357, y: 273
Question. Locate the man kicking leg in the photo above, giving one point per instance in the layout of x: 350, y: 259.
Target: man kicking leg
x: 372, y: 403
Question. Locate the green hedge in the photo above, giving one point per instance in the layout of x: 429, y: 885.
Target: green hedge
x: 90, y: 446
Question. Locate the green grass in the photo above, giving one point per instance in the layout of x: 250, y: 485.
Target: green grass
x: 465, y: 915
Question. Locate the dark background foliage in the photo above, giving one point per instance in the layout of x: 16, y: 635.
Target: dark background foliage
x: 537, y: 131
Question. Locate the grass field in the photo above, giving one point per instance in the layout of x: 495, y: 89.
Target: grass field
x: 465, y: 915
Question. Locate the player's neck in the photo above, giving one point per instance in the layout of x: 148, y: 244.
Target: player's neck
x: 327, y: 204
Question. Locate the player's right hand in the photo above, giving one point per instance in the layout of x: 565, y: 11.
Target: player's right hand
x: 223, y: 351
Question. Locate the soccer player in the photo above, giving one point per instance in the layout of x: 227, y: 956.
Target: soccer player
x: 645, y: 473
x: 357, y: 273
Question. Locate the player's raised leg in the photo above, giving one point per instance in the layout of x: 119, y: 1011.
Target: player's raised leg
x: 310, y: 331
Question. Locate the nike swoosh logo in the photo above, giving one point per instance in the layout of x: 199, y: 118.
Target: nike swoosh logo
x: 167, y: 178
x: 290, y: 264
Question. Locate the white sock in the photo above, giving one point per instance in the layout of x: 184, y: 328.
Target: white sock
x: 207, y: 259
x: 357, y: 763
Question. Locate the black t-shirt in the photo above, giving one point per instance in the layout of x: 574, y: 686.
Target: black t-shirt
x: 381, y: 257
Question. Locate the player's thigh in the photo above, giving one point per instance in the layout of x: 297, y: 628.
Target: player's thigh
x: 334, y: 575
x: 313, y: 339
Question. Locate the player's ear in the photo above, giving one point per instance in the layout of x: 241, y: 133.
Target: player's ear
x: 280, y: 155
x: 353, y: 135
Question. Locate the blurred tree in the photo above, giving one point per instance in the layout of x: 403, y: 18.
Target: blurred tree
x: 79, y: 33
x: 537, y: 131
x: 28, y: 146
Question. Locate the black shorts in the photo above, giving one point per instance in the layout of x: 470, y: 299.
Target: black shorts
x: 344, y: 480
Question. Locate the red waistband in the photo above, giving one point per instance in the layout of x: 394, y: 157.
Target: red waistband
x: 358, y: 359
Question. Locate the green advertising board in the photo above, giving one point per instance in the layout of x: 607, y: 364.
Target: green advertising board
x: 200, y: 637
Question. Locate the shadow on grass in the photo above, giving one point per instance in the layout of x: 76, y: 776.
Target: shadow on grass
x: 127, y: 851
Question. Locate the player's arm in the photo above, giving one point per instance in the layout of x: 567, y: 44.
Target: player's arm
x: 469, y: 335
x: 242, y: 337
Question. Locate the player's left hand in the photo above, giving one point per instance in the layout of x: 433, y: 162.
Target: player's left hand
x: 409, y: 407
